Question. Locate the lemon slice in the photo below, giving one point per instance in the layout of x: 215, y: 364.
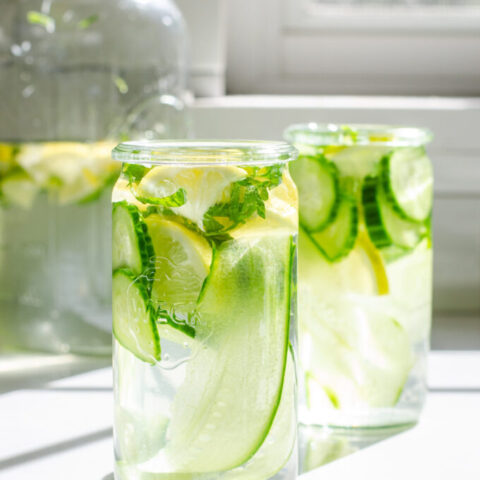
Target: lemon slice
x: 6, y: 157
x: 377, y: 264
x: 19, y: 190
x: 181, y: 264
x: 361, y: 272
x: 72, y: 170
x: 204, y: 187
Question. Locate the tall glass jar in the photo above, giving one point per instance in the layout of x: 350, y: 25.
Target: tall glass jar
x: 75, y: 76
x: 365, y: 272
x: 204, y: 263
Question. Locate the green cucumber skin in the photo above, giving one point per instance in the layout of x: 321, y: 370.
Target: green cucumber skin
x: 375, y: 223
x: 333, y: 172
x: 142, y: 290
x: 389, y: 190
x: 372, y: 215
x: 350, y: 236
x: 246, y: 271
x: 144, y: 244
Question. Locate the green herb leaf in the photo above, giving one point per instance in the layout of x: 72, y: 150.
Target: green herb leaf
x: 134, y: 172
x: 88, y: 22
x: 177, y: 199
x: 38, y: 18
x: 247, y: 197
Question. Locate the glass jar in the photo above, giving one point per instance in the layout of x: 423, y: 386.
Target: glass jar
x: 75, y: 77
x: 204, y: 258
x: 365, y: 272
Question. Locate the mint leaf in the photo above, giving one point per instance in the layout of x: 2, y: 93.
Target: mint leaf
x: 177, y: 199
x: 247, y: 198
x: 134, y: 172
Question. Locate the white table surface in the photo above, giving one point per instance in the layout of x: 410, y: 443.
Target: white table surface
x: 56, y: 424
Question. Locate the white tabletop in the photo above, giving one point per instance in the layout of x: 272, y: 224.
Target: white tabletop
x: 56, y: 424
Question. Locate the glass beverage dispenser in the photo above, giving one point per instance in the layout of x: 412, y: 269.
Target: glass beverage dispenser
x: 76, y: 76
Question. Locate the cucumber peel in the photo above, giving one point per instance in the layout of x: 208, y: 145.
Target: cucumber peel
x: 408, y: 183
x: 385, y: 227
x: 337, y: 239
x: 224, y: 411
x: 132, y: 247
x: 317, y: 182
x: 133, y: 317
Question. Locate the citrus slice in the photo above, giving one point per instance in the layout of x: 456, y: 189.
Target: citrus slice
x: 71, y: 171
x: 203, y: 187
x: 181, y: 263
x: 362, y: 272
x: 19, y: 190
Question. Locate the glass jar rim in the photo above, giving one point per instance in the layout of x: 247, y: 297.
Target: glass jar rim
x: 204, y: 152
x: 324, y: 134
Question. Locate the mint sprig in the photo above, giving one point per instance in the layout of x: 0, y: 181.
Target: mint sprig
x: 247, y: 197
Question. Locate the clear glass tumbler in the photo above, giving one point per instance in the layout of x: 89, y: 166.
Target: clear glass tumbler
x: 204, y: 263
x: 365, y: 272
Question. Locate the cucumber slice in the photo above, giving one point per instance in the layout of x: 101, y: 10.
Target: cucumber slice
x: 338, y: 239
x: 278, y: 447
x: 19, y: 190
x: 317, y: 182
x: 133, y: 320
x: 355, y: 356
x: 231, y: 393
x: 408, y: 182
x: 132, y: 247
x: 385, y: 227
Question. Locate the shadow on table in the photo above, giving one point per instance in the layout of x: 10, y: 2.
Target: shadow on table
x: 54, y: 449
x: 322, y: 445
x: 29, y: 371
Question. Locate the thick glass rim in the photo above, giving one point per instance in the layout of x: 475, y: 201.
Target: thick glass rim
x: 204, y: 152
x: 324, y: 134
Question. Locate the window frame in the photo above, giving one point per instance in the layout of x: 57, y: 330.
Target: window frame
x: 301, y: 14
x: 272, y: 49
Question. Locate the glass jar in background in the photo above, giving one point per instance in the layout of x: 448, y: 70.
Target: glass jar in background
x: 204, y: 272
x: 75, y: 77
x: 365, y: 272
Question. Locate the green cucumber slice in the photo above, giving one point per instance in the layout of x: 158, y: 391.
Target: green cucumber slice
x: 358, y: 356
x: 385, y: 227
x: 317, y: 182
x: 132, y: 247
x: 280, y: 442
x: 227, y: 403
x: 133, y: 320
x: 408, y: 182
x: 337, y: 240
